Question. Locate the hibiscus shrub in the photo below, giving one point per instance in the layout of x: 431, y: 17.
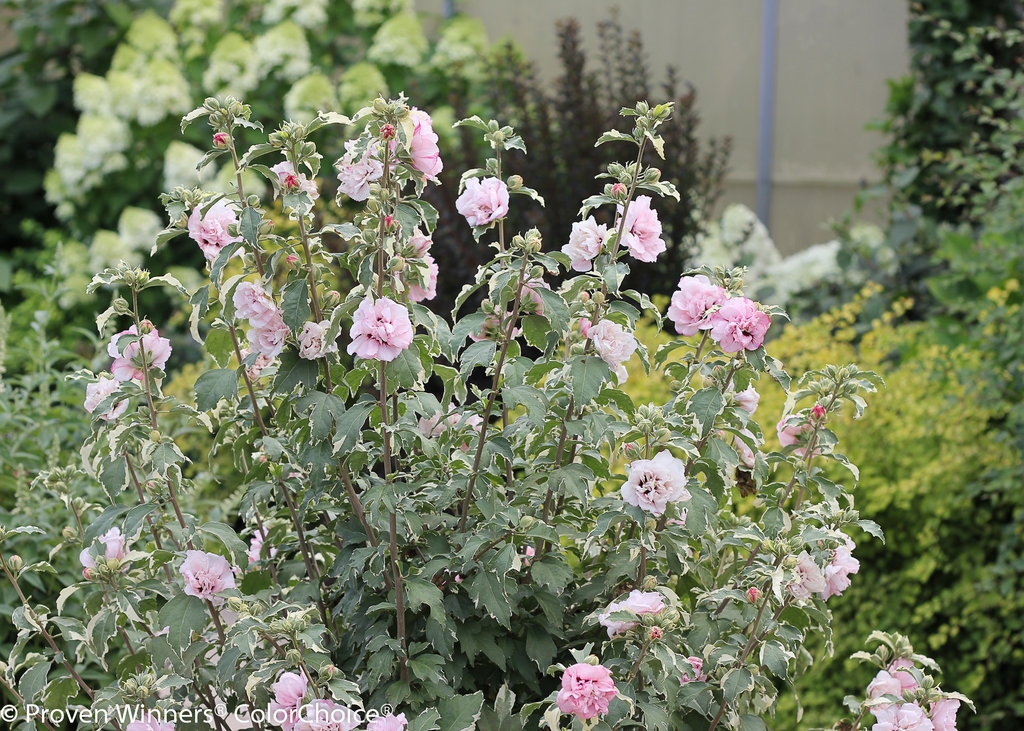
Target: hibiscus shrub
x: 450, y: 523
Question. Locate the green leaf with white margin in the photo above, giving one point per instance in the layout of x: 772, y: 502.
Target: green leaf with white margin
x: 249, y: 225
x: 226, y: 535
x: 461, y: 712
x: 165, y: 455
x: 33, y: 681
x: 214, y: 385
x: 350, y: 426
x: 587, y: 374
x: 183, y: 616
x: 488, y: 591
x: 706, y: 404
x: 735, y: 682
x: 295, y: 304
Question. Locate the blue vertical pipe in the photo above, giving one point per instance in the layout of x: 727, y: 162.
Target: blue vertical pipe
x: 766, y: 108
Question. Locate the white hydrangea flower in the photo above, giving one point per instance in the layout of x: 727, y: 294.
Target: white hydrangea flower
x: 122, y: 86
x: 233, y: 67
x: 68, y: 169
x: 192, y: 14
x: 71, y: 264
x: 107, y: 250
x: 360, y: 84
x: 161, y: 92
x: 737, y: 222
x: 711, y: 250
x: 463, y: 42
x: 400, y: 42
x: 307, y: 13
x: 799, y: 271
x: 180, y: 160
x: 369, y: 13
x: 283, y: 47
x: 307, y: 96
x: 153, y: 36
x: 137, y: 228
x: 92, y: 94
x: 104, y: 139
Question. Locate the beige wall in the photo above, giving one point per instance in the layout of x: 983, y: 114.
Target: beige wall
x: 834, y: 57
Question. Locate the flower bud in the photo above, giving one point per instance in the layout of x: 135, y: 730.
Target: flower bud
x: 527, y: 522
x: 220, y: 139
x: 15, y: 563
x: 69, y: 534
x: 618, y: 191
x: 387, y: 131
x: 293, y: 656
x: 753, y: 594
x: 818, y: 412
x: 329, y: 672
x: 121, y: 306
x: 379, y: 105
x: 655, y: 633
x: 514, y: 182
x: 235, y: 604
x: 332, y: 298
x: 592, y: 660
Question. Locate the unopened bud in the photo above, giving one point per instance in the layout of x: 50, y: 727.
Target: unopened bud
x: 514, y: 182
x: 15, y: 563
x: 293, y: 656
x: 69, y: 534
x: 618, y: 191
x: 527, y: 522
x: 592, y: 660
x: 121, y: 306
x: 220, y: 139
x: 387, y: 131
x: 753, y: 594
x: 655, y: 633
x: 329, y: 672
x: 818, y: 412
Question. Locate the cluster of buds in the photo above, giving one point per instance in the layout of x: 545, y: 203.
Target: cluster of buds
x: 138, y: 687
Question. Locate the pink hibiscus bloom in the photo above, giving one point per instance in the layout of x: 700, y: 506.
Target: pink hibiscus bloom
x: 206, y: 575
x: 642, y: 230
x: 289, y: 180
x: 837, y: 573
x: 696, y: 673
x: 901, y: 717
x: 693, y: 303
x: 586, y: 690
x: 654, y: 483
x: 389, y: 722
x: 381, y: 330
x: 113, y: 549
x: 483, y: 201
x: 738, y: 324
x: 585, y: 242
x: 809, y: 579
x: 211, y: 231
x: 289, y: 693
x: 149, y: 722
x: 426, y: 156
x: 127, y: 363
x: 95, y: 393
x: 355, y: 175
x: 638, y: 602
